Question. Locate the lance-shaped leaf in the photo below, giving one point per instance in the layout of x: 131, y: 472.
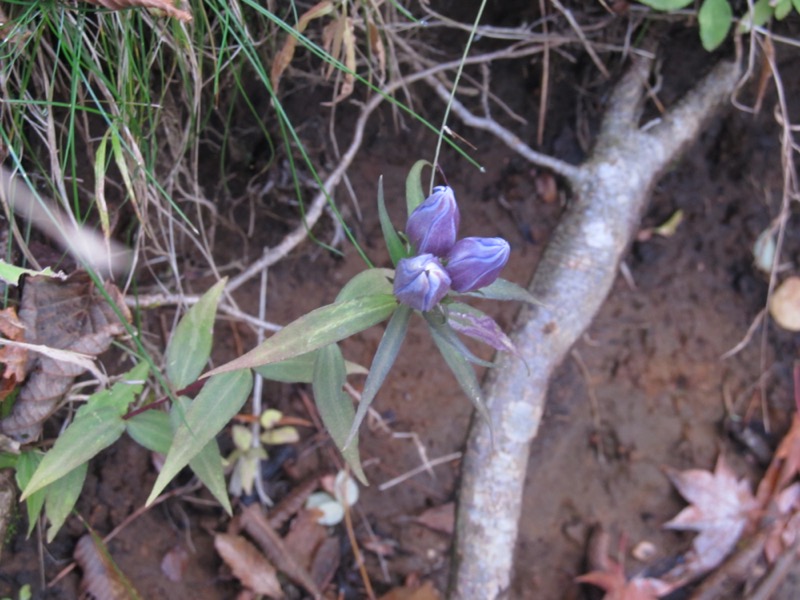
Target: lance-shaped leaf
x: 502, y: 289
x: 414, y: 194
x: 334, y: 405
x: 62, y: 496
x: 300, y: 369
x: 97, y: 425
x: 208, y: 467
x: 394, y: 244
x: 464, y: 374
x: 372, y: 282
x: 190, y: 346
x: 27, y: 463
x: 206, y: 464
x: 447, y: 334
x: 382, y: 363
x: 215, y: 405
x: 468, y: 320
x: 151, y: 429
x: 323, y: 326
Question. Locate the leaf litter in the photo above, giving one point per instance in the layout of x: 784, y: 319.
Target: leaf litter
x: 72, y: 316
x: 723, y: 510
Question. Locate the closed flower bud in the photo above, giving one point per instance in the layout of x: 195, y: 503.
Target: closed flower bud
x: 433, y: 226
x: 420, y: 282
x: 475, y: 262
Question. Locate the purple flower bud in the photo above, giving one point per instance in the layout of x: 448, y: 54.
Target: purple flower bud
x: 433, y: 226
x: 475, y: 262
x: 421, y: 281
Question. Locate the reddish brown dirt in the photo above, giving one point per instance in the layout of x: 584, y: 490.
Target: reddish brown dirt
x: 644, y: 388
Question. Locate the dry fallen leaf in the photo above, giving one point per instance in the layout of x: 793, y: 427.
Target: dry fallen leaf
x: 618, y: 587
x: 720, y: 508
x: 13, y: 357
x: 70, y: 315
x: 248, y: 564
x: 174, y: 563
x: 426, y: 591
x: 785, y: 464
x: 166, y: 5
x: 102, y: 578
x: 284, y: 57
x: 439, y: 518
x: 609, y: 574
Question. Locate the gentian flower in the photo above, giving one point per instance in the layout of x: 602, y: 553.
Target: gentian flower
x: 475, y: 262
x: 433, y: 226
x: 421, y: 281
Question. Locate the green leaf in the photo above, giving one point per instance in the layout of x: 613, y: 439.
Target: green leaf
x: 762, y: 12
x: 151, y: 429
x: 796, y: 4
x: 27, y: 463
x: 715, y: 19
x: 97, y: 425
x: 190, y: 346
x: 11, y: 273
x: 323, y: 326
x: 464, y: 374
x: 502, y: 289
x: 666, y: 5
x: 414, y: 194
x: 372, y: 282
x: 394, y: 244
x: 62, y: 495
x: 215, y: 405
x: 8, y: 460
x: 783, y: 8
x: 334, y: 406
x: 382, y: 363
x: 300, y: 369
x: 207, y: 465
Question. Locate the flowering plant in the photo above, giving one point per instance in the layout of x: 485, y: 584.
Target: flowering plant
x: 432, y: 270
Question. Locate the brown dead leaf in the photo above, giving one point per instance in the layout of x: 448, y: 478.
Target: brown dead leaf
x: 13, y: 357
x: 166, y: 5
x: 720, y: 508
x: 340, y: 42
x: 304, y: 537
x: 257, y: 526
x: 378, y: 49
x: 439, y: 518
x: 67, y: 315
x: 174, y: 563
x: 284, y: 57
x: 248, y: 564
x: 426, y: 591
x: 609, y: 574
x: 102, y: 578
x: 785, y: 464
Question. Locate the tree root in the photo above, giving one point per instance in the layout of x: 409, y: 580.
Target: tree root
x: 610, y: 193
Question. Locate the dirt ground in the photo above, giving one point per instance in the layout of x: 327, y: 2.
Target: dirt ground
x: 645, y: 388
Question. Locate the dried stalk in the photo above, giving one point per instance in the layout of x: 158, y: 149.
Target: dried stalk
x: 580, y: 263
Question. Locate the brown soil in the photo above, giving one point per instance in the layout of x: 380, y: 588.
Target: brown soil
x: 646, y: 386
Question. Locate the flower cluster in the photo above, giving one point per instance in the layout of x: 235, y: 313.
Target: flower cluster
x: 442, y: 263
